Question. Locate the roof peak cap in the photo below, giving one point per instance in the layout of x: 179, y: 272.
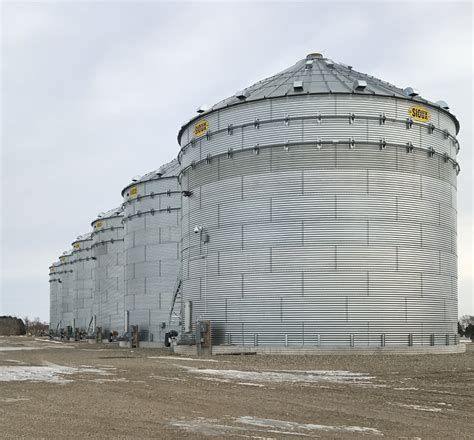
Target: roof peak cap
x: 314, y: 55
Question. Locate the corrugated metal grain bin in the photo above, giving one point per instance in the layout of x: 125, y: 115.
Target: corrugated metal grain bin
x: 321, y: 210
x: 82, y: 281
x: 152, y: 206
x: 54, y: 298
x: 66, y: 289
x: 107, y: 273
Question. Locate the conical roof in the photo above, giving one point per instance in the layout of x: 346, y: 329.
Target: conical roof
x: 117, y: 212
x: 314, y: 75
x: 170, y: 169
x: 83, y: 237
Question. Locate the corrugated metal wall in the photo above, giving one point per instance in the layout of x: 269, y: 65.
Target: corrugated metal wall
x: 82, y: 281
x: 152, y: 240
x: 310, y: 118
x: 54, y: 297
x: 108, y: 284
x: 318, y: 230
x: 66, y: 289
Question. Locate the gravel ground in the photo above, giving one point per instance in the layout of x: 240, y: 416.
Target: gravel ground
x: 77, y: 390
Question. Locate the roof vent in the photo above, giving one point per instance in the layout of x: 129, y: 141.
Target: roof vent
x: 359, y: 84
x: 159, y: 174
x: 329, y: 63
x: 410, y: 91
x: 346, y: 66
x: 298, y: 85
x: 313, y: 55
x: 203, y: 108
x: 241, y: 94
x: 100, y: 214
x: 136, y: 178
x: 309, y: 64
x: 443, y: 104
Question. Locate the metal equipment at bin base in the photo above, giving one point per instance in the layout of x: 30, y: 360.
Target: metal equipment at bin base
x: 134, y: 339
x: 203, y: 338
x: 69, y: 333
x: 98, y: 335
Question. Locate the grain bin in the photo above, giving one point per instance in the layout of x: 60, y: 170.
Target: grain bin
x: 152, y: 206
x: 54, y: 298
x: 65, y: 272
x: 107, y: 273
x: 82, y: 281
x: 324, y: 202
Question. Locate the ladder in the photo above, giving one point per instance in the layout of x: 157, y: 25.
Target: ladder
x: 176, y: 304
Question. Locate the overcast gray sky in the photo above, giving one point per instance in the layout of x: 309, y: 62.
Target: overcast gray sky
x: 94, y: 93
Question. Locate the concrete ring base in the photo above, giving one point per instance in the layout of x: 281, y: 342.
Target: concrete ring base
x: 273, y: 350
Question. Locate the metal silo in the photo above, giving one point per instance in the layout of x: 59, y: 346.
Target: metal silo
x: 54, y: 298
x: 107, y: 274
x: 152, y: 206
x: 320, y: 210
x: 65, y: 271
x: 82, y: 281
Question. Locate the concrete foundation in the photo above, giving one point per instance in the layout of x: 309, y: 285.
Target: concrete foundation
x: 190, y: 350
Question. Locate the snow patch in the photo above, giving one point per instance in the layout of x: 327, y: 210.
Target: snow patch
x: 20, y: 348
x: 169, y: 379
x: 215, y: 427
x: 292, y: 376
x: 119, y: 379
x: 299, y: 428
x: 419, y: 407
x: 46, y: 373
x: 52, y: 341
x: 12, y: 399
x: 203, y: 426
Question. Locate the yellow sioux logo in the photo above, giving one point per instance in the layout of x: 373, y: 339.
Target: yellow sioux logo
x: 76, y: 246
x: 62, y: 259
x: 99, y: 225
x: 133, y: 192
x: 419, y: 113
x: 201, y: 128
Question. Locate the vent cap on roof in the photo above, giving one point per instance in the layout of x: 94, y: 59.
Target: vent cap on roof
x: 359, y: 84
x: 410, y: 91
x: 241, y: 94
x: 443, y: 104
x: 298, y: 85
x: 136, y: 178
x: 312, y: 56
x: 203, y: 108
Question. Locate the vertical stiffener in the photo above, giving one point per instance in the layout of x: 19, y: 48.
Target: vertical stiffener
x: 108, y: 269
x: 325, y: 205
x: 152, y: 205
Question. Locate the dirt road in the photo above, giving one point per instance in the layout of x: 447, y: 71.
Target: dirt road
x: 61, y: 390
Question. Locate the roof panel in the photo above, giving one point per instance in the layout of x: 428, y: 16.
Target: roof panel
x: 325, y: 76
